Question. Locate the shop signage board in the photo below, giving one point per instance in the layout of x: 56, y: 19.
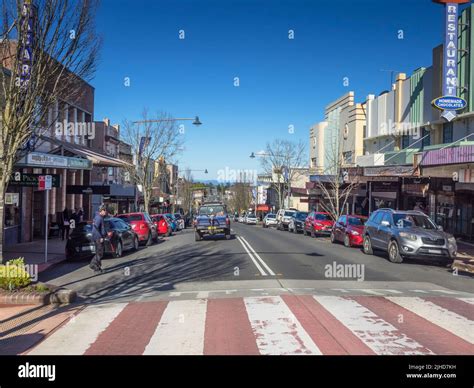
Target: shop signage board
x: 44, y: 160
x: 32, y: 180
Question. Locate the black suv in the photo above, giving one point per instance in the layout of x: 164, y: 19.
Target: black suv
x: 407, y: 233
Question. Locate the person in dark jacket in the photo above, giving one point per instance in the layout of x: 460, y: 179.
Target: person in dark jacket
x: 98, y: 236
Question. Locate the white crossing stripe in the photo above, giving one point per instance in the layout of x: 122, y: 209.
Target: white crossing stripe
x: 448, y: 320
x: 276, y: 329
x: 467, y: 300
x: 181, y: 329
x: 377, y: 334
x: 76, y: 336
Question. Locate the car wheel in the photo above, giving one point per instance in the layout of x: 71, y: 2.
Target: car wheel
x: 313, y: 235
x: 347, y: 241
x: 295, y: 231
x: 333, y: 238
x: 227, y: 236
x: 367, y: 245
x: 168, y: 232
x: 394, y: 252
x: 136, y: 243
x: 149, y: 239
x: 305, y: 232
x: 119, y: 249
x: 197, y: 236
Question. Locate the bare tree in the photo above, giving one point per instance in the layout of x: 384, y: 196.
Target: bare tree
x: 187, y: 190
x: 153, y: 140
x: 337, y: 182
x: 47, y: 49
x: 283, y: 160
x: 240, y: 199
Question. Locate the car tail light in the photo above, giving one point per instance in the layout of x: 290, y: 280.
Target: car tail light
x: 227, y: 220
x: 110, y: 234
x: 133, y: 226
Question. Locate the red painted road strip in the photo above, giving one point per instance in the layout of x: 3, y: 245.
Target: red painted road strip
x: 455, y: 305
x: 228, y: 330
x: 318, y: 333
x: 435, y: 338
x: 341, y: 338
x: 130, y: 332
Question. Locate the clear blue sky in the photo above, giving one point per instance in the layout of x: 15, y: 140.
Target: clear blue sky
x: 282, y: 82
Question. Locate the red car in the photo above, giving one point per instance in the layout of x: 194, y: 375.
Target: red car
x: 349, y: 230
x: 162, y: 225
x: 318, y: 223
x: 142, y: 225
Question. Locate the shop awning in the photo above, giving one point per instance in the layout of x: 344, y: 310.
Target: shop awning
x: 98, y: 159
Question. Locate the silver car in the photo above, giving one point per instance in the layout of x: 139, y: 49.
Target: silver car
x: 269, y: 220
x: 407, y: 233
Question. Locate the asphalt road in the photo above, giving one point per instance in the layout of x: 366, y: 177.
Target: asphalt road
x: 255, y: 261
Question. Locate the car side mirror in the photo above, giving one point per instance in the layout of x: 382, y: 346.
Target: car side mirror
x: 385, y: 223
x: 340, y: 223
x: 440, y: 228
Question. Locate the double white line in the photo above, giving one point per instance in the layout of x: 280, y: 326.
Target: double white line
x: 257, y: 260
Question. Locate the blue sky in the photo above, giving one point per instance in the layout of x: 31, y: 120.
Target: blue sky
x: 282, y: 82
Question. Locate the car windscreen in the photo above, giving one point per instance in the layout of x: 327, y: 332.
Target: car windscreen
x: 301, y: 216
x: 289, y: 214
x: 322, y: 217
x: 413, y: 220
x: 356, y: 221
x: 251, y: 216
x: 271, y: 215
x: 212, y: 210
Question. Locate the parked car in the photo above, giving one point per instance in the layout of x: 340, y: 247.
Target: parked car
x: 284, y: 217
x: 120, y: 237
x: 180, y: 220
x: 162, y: 225
x: 172, y: 221
x: 251, y: 219
x: 269, y: 220
x: 318, y: 223
x: 409, y: 233
x: 212, y: 219
x: 296, y: 224
x: 349, y: 229
x: 143, y: 226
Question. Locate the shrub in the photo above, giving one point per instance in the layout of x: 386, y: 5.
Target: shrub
x: 13, y: 275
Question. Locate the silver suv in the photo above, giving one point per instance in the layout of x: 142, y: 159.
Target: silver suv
x: 407, y: 233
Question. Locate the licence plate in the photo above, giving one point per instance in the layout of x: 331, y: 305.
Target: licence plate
x: 88, y: 248
x: 211, y: 228
x: 437, y: 251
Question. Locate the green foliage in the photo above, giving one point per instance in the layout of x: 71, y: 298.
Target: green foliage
x: 13, y: 275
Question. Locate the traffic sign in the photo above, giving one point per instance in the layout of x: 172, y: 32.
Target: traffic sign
x: 45, y: 182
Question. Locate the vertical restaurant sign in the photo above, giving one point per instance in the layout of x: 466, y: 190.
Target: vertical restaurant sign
x: 28, y: 22
x: 450, y: 103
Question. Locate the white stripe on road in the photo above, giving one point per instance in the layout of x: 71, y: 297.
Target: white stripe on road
x: 80, y: 332
x: 181, y: 329
x: 448, y: 320
x: 377, y: 334
x: 467, y: 300
x: 262, y: 272
x: 276, y: 329
x: 258, y: 257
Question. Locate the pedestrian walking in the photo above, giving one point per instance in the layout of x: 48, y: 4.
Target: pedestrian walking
x: 98, y: 236
x: 65, y: 224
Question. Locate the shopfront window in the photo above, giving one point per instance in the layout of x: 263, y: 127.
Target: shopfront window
x: 12, y: 211
x: 426, y: 135
x: 447, y: 133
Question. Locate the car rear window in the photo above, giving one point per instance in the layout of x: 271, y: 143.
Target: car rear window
x: 289, y: 213
x: 301, y: 216
x: 356, y: 221
x: 208, y: 210
x: 82, y: 228
x: 132, y: 217
x: 322, y: 217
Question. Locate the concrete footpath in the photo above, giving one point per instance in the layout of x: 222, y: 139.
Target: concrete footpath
x: 465, y: 260
x: 33, y: 253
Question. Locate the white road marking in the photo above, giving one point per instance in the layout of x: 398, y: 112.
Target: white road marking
x: 448, y: 320
x: 181, y: 329
x: 419, y: 291
x: 260, y: 269
x: 76, y: 336
x: 377, y: 334
x: 258, y: 257
x: 467, y: 300
x: 447, y: 292
x: 276, y: 329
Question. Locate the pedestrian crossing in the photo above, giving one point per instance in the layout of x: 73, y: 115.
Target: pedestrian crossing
x: 270, y: 325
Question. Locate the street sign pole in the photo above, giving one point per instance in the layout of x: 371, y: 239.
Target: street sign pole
x: 46, y: 228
